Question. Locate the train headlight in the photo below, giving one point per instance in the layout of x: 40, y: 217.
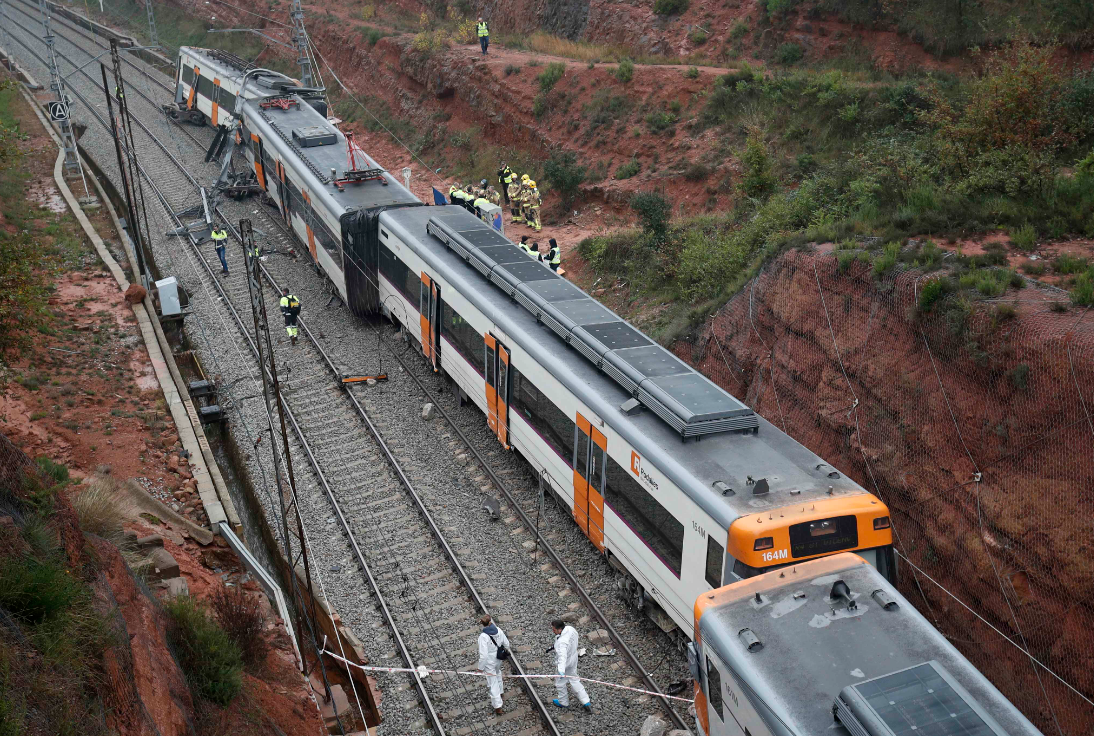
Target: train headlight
x: 763, y: 543
x: 881, y: 522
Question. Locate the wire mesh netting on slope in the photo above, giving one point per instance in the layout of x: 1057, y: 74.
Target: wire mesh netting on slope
x: 973, y: 422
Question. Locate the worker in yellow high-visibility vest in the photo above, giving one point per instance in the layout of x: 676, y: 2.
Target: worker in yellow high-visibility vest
x: 220, y: 240
x: 483, y: 32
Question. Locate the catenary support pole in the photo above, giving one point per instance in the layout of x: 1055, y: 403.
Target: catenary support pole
x: 300, y: 41
x: 59, y: 109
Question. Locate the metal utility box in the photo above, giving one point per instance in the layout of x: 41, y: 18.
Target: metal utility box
x: 313, y: 135
x: 491, y: 214
x: 169, y: 297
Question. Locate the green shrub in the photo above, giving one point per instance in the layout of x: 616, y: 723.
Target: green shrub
x: 606, y: 108
x: 697, y: 172
x: 1082, y: 293
x: 1019, y: 376
x: 629, y: 169
x: 653, y: 211
x: 670, y: 7
x: 1024, y: 237
x: 660, y: 120
x: 806, y: 163
x: 564, y: 175
x: 511, y: 69
x: 211, y: 661
x: 37, y: 591
x: 930, y: 292
x: 778, y: 7
x: 539, y: 105
x: 789, y: 53
x: 698, y: 37
x: 240, y: 616
x: 1033, y: 268
x: 739, y: 29
x: 549, y: 77
x: 692, y: 72
x: 535, y: 62
x: 1067, y: 264
x: 886, y: 260
x: 625, y: 71
x: 758, y: 180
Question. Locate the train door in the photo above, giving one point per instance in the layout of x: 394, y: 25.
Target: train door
x: 497, y: 389
x: 193, y: 88
x: 430, y: 310
x: 216, y: 101
x: 590, y: 462
x: 282, y: 190
x: 258, y: 150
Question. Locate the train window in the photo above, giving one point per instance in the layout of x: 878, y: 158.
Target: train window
x: 715, y: 557
x: 823, y: 536
x: 465, y: 338
x: 325, y: 237
x: 405, y: 281
x: 188, y: 75
x: 205, y: 87
x: 556, y: 429
x: 714, y: 689
x: 660, y: 530
x: 227, y: 100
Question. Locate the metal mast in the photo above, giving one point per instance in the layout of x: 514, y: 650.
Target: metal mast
x: 153, y: 35
x: 59, y: 109
x: 300, y: 41
x: 4, y: 33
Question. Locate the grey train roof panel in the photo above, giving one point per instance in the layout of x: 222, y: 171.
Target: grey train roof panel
x: 685, y: 399
x: 814, y: 648
x: 796, y: 475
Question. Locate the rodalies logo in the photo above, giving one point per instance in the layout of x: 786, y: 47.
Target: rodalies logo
x: 636, y: 468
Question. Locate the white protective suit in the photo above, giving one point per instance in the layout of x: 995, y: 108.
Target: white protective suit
x: 489, y: 662
x: 566, y: 659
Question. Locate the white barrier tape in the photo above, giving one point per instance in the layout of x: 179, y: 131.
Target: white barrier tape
x: 422, y: 672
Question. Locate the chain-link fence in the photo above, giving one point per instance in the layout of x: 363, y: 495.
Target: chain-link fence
x: 972, y: 421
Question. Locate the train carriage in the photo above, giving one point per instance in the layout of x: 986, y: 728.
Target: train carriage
x: 829, y: 646
x: 676, y: 514
x: 680, y: 485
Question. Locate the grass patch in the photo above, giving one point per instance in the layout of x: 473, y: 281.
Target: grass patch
x: 550, y: 76
x: 629, y: 169
x: 211, y: 661
x: 37, y: 591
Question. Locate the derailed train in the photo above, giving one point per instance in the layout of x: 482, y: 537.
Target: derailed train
x: 679, y: 484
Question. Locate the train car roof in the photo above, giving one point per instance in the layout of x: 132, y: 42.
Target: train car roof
x: 795, y: 475
x: 882, y: 658
x: 277, y: 128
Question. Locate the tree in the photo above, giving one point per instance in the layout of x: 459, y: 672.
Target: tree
x: 758, y: 180
x: 654, y: 211
x: 564, y: 175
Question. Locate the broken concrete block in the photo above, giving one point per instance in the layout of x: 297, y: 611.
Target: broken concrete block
x: 429, y: 412
x: 163, y: 565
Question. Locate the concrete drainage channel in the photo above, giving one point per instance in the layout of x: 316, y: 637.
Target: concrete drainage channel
x: 321, y: 441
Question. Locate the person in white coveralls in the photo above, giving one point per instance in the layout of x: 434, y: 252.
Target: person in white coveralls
x: 490, y: 641
x: 566, y: 659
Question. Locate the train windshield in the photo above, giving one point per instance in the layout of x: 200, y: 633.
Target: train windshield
x: 882, y: 558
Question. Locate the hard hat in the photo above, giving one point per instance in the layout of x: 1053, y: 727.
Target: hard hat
x: 524, y: 177
x: 531, y: 184
x: 482, y: 182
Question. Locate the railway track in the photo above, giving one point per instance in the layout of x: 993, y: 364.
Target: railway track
x: 407, y: 501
